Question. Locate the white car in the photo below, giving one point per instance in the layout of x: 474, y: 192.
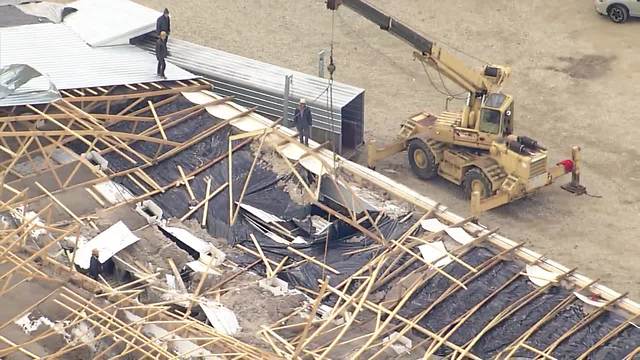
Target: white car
x: 618, y: 10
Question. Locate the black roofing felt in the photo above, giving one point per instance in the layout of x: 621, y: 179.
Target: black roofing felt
x: 12, y: 16
x: 496, y: 288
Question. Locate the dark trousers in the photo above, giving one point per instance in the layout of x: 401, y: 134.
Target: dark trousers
x: 161, y: 66
x: 303, y: 132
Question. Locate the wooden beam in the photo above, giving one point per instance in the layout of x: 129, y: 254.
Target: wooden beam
x: 264, y: 258
x: 186, y: 183
x: 63, y: 206
x: 82, y: 133
x: 96, y: 197
x: 129, y: 96
x: 248, y: 179
x: 176, y: 273
x: 311, y: 315
x: 201, y: 203
x: 67, y: 130
x: 155, y: 116
x: 206, y: 203
x: 313, y: 260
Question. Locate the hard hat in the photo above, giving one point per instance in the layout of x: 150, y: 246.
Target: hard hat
x: 303, y: 101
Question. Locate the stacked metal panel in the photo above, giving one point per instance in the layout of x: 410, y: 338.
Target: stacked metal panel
x: 254, y: 83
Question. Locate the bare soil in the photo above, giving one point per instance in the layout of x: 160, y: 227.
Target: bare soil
x: 253, y: 306
x: 256, y: 307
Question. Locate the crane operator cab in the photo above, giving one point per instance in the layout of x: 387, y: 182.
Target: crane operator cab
x: 496, y: 115
x: 475, y: 148
x: 490, y: 119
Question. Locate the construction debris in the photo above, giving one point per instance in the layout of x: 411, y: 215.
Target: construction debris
x: 208, y: 253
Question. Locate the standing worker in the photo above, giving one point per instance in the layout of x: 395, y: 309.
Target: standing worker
x: 95, y: 267
x: 164, y: 24
x: 161, y: 54
x: 302, y: 119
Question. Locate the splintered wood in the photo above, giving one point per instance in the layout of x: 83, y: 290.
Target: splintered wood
x: 361, y: 322
x: 40, y: 176
x: 409, y: 291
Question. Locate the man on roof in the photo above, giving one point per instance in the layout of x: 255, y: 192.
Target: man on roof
x: 164, y: 23
x: 161, y: 54
x: 302, y: 119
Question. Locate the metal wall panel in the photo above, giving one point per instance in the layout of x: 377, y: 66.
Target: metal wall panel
x: 254, y: 83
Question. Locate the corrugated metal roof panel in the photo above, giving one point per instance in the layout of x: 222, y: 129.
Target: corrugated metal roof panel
x: 110, y: 22
x: 255, y: 83
x: 57, y: 52
x: 36, y: 91
x: 254, y: 73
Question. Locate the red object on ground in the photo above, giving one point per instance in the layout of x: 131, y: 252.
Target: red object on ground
x: 568, y: 165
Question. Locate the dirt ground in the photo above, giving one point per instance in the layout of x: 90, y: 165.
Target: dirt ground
x: 574, y: 81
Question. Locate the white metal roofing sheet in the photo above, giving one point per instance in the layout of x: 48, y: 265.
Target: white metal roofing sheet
x: 110, y: 22
x: 57, y: 52
x: 254, y: 73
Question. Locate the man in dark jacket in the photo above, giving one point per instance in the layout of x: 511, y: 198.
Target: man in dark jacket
x: 164, y: 23
x: 161, y: 54
x: 302, y: 119
x: 95, y: 266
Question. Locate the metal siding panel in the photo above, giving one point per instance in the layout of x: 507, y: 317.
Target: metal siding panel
x: 260, y: 84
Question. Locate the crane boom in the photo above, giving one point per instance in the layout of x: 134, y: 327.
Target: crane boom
x: 476, y: 147
x: 476, y: 82
x: 393, y: 26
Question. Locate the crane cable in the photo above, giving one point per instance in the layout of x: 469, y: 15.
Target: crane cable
x: 446, y: 91
x: 332, y: 68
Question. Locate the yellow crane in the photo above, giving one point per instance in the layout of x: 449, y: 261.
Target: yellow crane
x: 476, y: 147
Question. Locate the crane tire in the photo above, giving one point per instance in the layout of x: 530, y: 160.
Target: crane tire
x: 422, y: 160
x: 474, y: 177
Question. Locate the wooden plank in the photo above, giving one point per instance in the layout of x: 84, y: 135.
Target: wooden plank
x: 176, y: 274
x: 63, y: 206
x: 417, y: 327
x: 66, y: 131
x: 96, y: 197
x: 264, y: 258
x: 201, y: 203
x: 248, y: 179
x: 582, y: 323
x: 206, y: 203
x: 186, y: 183
x: 155, y: 116
x: 138, y: 95
x: 81, y: 133
x: 313, y: 260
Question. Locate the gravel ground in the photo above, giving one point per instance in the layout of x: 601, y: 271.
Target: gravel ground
x: 574, y: 76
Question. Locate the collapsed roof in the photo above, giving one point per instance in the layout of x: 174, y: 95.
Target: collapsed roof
x: 385, y: 271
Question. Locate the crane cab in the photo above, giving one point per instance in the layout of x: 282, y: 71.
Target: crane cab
x: 496, y: 115
x: 485, y: 120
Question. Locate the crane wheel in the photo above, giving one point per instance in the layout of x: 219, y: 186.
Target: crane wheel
x: 422, y: 160
x: 474, y: 179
